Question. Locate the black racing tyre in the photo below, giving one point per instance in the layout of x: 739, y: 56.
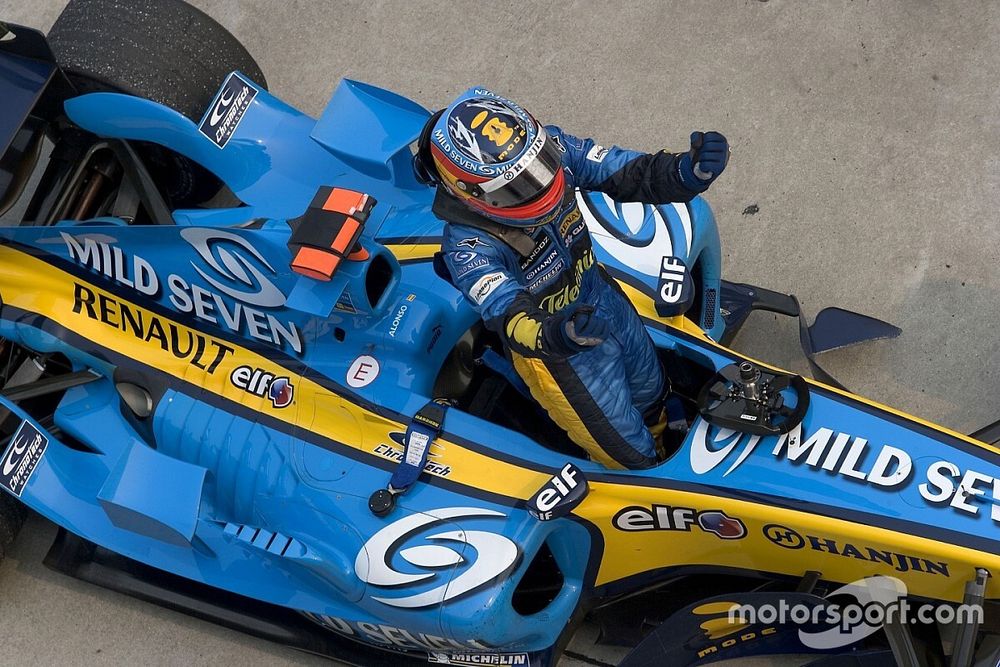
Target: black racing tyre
x: 12, y: 515
x: 164, y: 50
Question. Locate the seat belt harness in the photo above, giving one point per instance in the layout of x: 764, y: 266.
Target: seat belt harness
x: 423, y: 430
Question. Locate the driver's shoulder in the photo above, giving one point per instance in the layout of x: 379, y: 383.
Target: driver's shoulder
x: 457, y: 237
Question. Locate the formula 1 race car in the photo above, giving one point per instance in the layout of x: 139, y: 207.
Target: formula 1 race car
x: 234, y: 379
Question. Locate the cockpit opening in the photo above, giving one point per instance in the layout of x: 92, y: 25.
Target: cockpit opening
x: 484, y: 389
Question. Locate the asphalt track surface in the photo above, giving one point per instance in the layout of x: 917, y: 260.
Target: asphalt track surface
x: 865, y: 136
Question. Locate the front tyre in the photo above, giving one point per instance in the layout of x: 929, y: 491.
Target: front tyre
x: 163, y: 50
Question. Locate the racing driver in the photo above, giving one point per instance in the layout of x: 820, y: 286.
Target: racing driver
x: 516, y: 245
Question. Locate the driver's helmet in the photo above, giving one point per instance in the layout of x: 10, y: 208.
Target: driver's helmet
x: 493, y: 155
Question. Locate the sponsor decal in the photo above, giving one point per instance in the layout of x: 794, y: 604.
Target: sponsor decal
x: 485, y: 286
x: 719, y: 625
x: 536, y: 252
x: 824, y: 449
x: 227, y: 110
x: 571, y: 219
x: 527, y: 157
x: 280, y: 392
x: 494, y: 123
x: 671, y: 287
x: 515, y: 659
x: 397, y: 451
x: 257, y: 381
x: 454, y: 573
x: 948, y: 485
x: 542, y: 265
x: 597, y: 153
x: 635, y: 519
x: 569, y: 293
x: 495, y: 129
x: 472, y: 243
x: 485, y: 92
x: 200, y: 351
x: 787, y: 538
x: 463, y: 256
x: 512, y: 147
x: 711, y: 445
x: 645, y: 258
x: 545, y: 219
x: 397, y: 318
x: 391, y: 636
x: 27, y: 447
x: 719, y: 629
x: 363, y: 371
x: 444, y: 142
x: 233, y: 269
x: 471, y: 265
x: 345, y: 304
x: 227, y: 255
x: 560, y: 495
x: 721, y: 525
x: 784, y: 537
x: 943, y: 483
x: 573, y: 233
x: 465, y: 139
x: 435, y: 336
x: 547, y: 276
x: 417, y: 445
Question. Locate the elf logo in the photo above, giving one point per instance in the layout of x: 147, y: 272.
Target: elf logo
x: 635, y: 519
x: 675, y: 289
x: 256, y: 381
x: 672, y: 273
x: 560, y: 495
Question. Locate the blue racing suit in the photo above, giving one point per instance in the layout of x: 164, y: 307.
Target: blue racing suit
x: 604, y: 396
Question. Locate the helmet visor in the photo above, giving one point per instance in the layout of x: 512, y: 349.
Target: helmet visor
x: 527, y: 178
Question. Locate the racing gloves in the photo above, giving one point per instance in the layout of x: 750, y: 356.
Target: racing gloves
x: 705, y: 161
x: 573, y: 329
x: 532, y: 332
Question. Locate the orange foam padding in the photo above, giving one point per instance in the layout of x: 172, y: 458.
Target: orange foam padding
x: 315, y: 263
x: 358, y: 255
x: 341, y: 243
x: 345, y: 201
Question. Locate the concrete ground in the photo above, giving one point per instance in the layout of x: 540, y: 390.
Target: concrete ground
x: 866, y: 133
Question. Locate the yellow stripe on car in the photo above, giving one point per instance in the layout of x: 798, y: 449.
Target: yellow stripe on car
x: 128, y: 329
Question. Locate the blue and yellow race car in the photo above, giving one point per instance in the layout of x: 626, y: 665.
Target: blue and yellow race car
x: 224, y: 338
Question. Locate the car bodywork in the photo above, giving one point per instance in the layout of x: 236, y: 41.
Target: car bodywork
x: 272, y: 405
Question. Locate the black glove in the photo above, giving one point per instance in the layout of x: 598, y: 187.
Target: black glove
x: 573, y: 329
x: 705, y: 161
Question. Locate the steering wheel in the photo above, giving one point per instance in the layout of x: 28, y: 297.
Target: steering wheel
x: 742, y: 397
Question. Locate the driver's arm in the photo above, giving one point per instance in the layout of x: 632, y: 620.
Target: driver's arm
x: 482, y: 273
x: 625, y: 175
